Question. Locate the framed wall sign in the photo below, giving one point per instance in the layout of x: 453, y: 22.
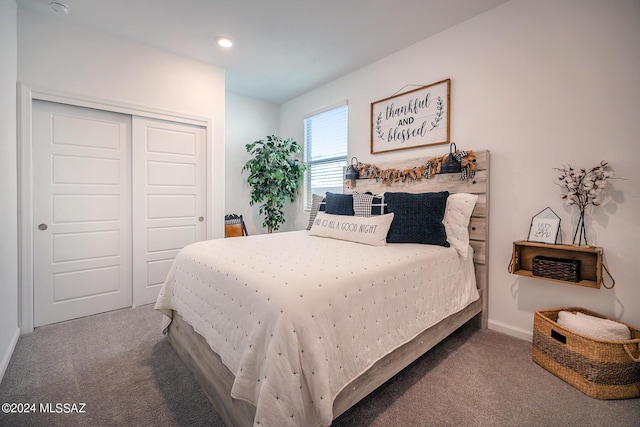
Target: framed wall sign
x: 412, y: 119
x: 545, y: 226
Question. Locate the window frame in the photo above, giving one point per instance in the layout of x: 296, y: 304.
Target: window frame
x: 308, y: 191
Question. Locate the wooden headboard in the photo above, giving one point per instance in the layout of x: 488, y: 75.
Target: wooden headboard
x: 451, y: 182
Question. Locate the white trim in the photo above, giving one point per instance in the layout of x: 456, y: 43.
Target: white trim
x: 26, y: 95
x: 6, y: 358
x: 25, y: 212
x: 511, y: 330
x: 114, y: 106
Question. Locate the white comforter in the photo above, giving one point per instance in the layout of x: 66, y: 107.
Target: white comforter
x: 297, y: 317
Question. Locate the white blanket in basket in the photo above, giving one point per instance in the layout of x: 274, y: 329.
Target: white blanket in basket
x: 593, y: 327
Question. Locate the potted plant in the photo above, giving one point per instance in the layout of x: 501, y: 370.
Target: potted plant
x: 275, y: 175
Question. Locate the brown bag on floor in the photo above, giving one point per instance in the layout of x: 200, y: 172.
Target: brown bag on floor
x: 234, y: 226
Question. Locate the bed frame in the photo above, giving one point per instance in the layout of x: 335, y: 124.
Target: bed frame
x: 215, y: 378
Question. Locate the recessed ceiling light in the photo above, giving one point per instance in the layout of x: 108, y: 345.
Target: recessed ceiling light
x: 224, y: 41
x: 59, y: 7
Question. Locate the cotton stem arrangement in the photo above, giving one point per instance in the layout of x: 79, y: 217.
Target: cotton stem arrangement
x: 581, y: 188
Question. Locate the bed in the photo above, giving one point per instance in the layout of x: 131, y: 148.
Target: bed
x: 305, y: 326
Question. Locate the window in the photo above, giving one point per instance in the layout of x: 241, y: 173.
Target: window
x: 325, y: 151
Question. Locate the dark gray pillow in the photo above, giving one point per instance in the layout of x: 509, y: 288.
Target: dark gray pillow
x: 339, y: 204
x: 377, y: 204
x: 417, y: 218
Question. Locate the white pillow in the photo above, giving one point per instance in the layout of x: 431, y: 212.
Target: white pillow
x: 368, y: 230
x: 593, y: 327
x: 456, y: 220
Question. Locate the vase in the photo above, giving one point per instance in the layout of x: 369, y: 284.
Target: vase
x: 580, y: 235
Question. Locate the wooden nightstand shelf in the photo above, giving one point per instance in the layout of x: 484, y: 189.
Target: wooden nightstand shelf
x: 590, y: 260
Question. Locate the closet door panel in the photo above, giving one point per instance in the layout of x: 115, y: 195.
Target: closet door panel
x: 81, y: 212
x: 169, y: 179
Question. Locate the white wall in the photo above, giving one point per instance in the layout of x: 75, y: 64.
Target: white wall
x: 247, y: 120
x: 55, y: 55
x: 9, y: 331
x: 540, y: 83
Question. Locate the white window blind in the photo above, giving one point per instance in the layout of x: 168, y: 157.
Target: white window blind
x: 325, y: 151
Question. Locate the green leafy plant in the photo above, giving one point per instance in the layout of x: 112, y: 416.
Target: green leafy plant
x: 275, y: 175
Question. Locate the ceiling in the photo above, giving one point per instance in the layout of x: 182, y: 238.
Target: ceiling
x: 282, y: 48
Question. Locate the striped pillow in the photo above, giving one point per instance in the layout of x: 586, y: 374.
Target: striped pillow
x: 317, y: 205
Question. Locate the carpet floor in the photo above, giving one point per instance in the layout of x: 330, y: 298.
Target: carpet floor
x: 117, y: 369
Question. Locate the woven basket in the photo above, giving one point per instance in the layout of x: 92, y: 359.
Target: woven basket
x: 598, y: 368
x: 556, y: 268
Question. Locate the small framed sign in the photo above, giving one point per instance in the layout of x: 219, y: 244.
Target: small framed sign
x: 545, y: 227
x: 412, y: 119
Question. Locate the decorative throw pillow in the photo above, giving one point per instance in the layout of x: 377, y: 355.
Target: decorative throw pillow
x: 418, y: 218
x: 339, y: 204
x: 362, y: 204
x: 456, y: 220
x: 378, y: 206
x: 366, y: 204
x: 367, y: 230
x: 317, y: 204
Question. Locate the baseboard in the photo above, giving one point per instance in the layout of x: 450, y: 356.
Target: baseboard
x: 511, y: 330
x: 7, y: 356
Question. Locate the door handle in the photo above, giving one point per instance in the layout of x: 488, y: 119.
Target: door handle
x: 201, y: 218
x: 42, y: 227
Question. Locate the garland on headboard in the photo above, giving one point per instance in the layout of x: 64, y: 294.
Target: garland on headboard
x: 431, y: 167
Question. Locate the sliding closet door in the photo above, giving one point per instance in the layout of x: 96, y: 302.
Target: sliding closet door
x: 81, y: 212
x: 169, y: 179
